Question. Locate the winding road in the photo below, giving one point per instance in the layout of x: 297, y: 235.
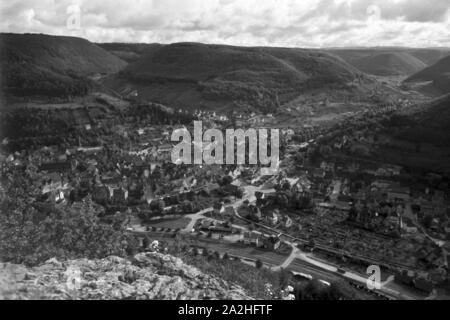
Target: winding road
x: 297, y: 261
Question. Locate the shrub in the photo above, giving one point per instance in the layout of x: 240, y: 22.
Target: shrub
x: 32, y: 234
x: 258, y: 264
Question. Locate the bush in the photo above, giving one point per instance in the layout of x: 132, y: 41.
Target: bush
x: 32, y: 234
x: 314, y: 290
x: 253, y: 280
x: 258, y: 264
x: 146, y: 242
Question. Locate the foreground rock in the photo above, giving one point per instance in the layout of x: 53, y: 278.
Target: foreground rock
x: 147, y: 276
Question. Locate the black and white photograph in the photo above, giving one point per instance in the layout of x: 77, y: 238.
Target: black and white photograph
x: 236, y: 152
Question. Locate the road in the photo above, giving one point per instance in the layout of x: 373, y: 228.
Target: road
x: 409, y: 213
x: 388, y: 288
x: 297, y: 261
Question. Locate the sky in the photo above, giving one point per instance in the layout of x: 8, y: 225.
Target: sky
x: 288, y: 23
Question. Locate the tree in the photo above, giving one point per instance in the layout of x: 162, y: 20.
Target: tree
x: 187, y: 206
x: 239, y: 193
x: 32, y: 234
x: 283, y: 200
x: 315, y: 156
x: 157, y: 206
x: 285, y: 278
x: 315, y: 290
x: 426, y: 221
x: 146, y: 242
x: 225, y: 181
x: 259, y: 264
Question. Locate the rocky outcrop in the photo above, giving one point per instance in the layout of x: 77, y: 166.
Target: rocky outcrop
x: 149, y: 275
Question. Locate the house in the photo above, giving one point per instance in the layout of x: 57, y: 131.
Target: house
x: 220, y: 230
x: 327, y: 166
x: 111, y: 179
x: 59, y: 196
x: 353, y: 167
x: 399, y: 193
x: 55, y: 191
x: 136, y: 191
x: 209, y: 188
x: 165, y: 148
x: 206, y: 224
x: 289, y: 133
x: 62, y: 157
x: 229, y: 211
x: 90, y: 150
x: 133, y: 95
x: 287, y: 222
x: 447, y: 231
x: 426, y: 208
x: 393, y: 170
x: 344, y: 198
x: 423, y: 284
x: 382, y: 184
x: 55, y: 186
x: 435, y: 225
x: 218, y: 208
x: 388, y: 170
x: 319, y: 173
x: 101, y: 194
x: 255, y: 213
x: 271, y: 243
x: 56, y: 166
x: 342, y: 206
x: 438, y: 197
x: 405, y: 277
x: 71, y: 151
x: 393, y: 221
x: 120, y: 195
x: 273, y: 218
x: 149, y: 194
x: 408, y: 226
x: 166, y: 133
x: 253, y: 238
x: 52, y: 179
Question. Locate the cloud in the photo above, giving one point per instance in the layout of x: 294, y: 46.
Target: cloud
x: 306, y: 23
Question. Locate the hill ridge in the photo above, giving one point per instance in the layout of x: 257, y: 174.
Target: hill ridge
x: 38, y: 64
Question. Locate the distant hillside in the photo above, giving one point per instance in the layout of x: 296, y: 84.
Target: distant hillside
x: 192, y: 74
x: 391, y: 61
x: 36, y: 64
x: 129, y: 52
x: 390, y: 64
x: 438, y: 76
x: 430, y: 56
x: 417, y: 137
x: 430, y: 124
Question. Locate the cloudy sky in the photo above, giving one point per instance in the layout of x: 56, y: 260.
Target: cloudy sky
x: 299, y: 23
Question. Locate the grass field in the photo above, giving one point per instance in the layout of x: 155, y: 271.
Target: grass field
x: 177, y: 223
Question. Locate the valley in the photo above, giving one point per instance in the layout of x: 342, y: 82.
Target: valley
x: 364, y: 176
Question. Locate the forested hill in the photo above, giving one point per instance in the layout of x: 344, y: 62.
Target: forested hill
x: 44, y: 65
